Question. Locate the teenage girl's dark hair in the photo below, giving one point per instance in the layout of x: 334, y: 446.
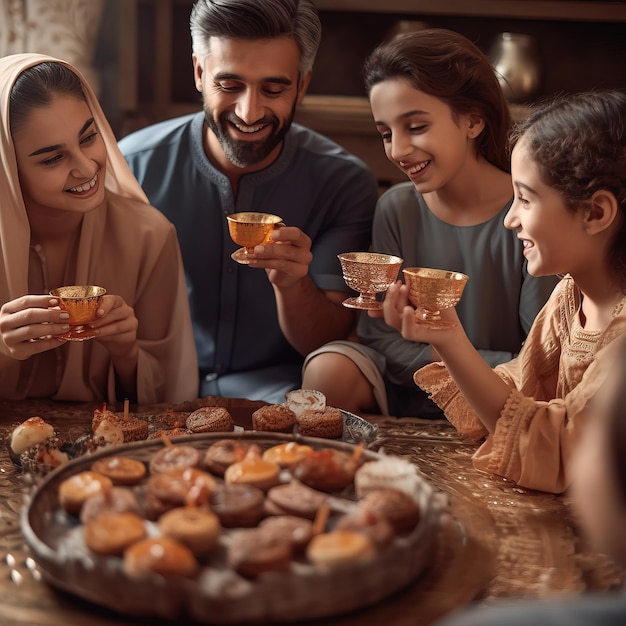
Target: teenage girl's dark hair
x: 578, y: 143
x: 36, y: 86
x: 446, y: 65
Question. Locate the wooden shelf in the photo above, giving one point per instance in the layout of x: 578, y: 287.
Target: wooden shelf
x: 565, y: 10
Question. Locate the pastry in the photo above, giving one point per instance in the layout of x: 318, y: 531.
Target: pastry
x: 391, y: 472
x: 276, y: 418
x: 297, y: 530
x: 400, y: 509
x: 160, y: 555
x: 73, y: 491
x: 133, y: 429
x: 253, y: 552
x: 286, y: 454
x: 299, y: 400
x: 175, y: 456
x: 237, y: 505
x: 223, y: 453
x: 182, y: 485
x: 294, y: 498
x: 197, y: 528
x: 377, y: 528
x: 120, y: 469
x: 110, y: 533
x: 116, y: 499
x: 326, y: 423
x: 253, y: 470
x: 210, y: 419
x: 340, y: 547
x: 32, y: 431
x: 326, y: 469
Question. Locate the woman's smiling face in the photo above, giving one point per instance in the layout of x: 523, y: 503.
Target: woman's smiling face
x: 61, y: 157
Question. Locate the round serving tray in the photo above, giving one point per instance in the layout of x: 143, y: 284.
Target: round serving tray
x: 222, y: 597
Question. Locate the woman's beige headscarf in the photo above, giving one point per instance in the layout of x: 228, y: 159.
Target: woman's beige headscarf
x: 125, y: 193
x: 14, y: 227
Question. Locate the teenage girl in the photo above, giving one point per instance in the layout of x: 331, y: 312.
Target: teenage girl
x: 444, y: 122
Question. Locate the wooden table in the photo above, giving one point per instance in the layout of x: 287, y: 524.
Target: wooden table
x: 499, y: 541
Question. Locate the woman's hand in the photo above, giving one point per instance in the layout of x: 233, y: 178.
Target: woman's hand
x: 117, y: 327
x: 28, y: 326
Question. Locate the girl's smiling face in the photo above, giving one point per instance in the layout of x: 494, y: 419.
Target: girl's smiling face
x: 554, y: 237
x: 61, y: 157
x: 421, y: 135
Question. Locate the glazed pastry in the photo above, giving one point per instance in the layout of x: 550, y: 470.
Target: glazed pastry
x: 340, y: 547
x: 400, y: 509
x: 160, y: 555
x: 326, y: 423
x: 110, y: 533
x: 197, y: 528
x: 253, y: 470
x: 174, y: 456
x: 286, y: 454
x: 32, y: 431
x: 73, y: 491
x: 276, y: 418
x: 326, y: 469
x: 300, y: 400
x: 223, y: 453
x: 297, y: 530
x: 377, y: 528
x: 237, y: 505
x: 116, y: 500
x: 120, y: 469
x: 210, y: 419
x: 178, y: 486
x: 253, y: 552
x: 294, y: 498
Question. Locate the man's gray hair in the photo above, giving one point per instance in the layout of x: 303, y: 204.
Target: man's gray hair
x: 257, y: 19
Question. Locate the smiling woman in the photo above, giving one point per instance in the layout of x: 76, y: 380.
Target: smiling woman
x: 67, y: 201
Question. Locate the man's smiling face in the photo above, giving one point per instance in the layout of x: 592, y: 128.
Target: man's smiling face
x: 250, y: 92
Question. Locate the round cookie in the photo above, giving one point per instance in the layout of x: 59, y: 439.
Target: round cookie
x: 225, y: 452
x: 276, y: 418
x: 120, y: 469
x: 73, y: 491
x: 160, y: 555
x: 253, y: 552
x: 237, y: 505
x: 210, y: 419
x: 400, y: 509
x: 174, y: 456
x: 294, y: 498
x: 194, y: 527
x: 110, y: 533
x: 326, y: 423
x: 340, y: 547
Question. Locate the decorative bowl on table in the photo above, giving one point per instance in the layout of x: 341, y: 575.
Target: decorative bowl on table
x: 218, y: 594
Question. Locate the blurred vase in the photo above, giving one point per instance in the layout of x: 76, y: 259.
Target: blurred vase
x: 515, y: 58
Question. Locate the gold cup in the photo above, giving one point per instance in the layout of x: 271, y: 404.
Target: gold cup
x: 82, y: 303
x: 250, y: 229
x: 368, y: 273
x: 433, y: 290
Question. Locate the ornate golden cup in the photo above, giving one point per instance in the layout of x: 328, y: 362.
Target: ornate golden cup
x: 368, y: 273
x: 250, y: 229
x: 433, y: 290
x: 82, y: 303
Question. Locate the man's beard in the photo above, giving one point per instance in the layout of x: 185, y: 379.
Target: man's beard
x: 247, y: 153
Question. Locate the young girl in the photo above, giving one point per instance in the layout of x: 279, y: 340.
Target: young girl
x: 569, y: 177
x: 444, y: 122
x: 599, y: 495
x: 71, y: 213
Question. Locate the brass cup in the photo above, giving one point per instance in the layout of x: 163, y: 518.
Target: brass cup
x: 433, y: 290
x: 82, y: 303
x: 250, y: 229
x: 368, y: 273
